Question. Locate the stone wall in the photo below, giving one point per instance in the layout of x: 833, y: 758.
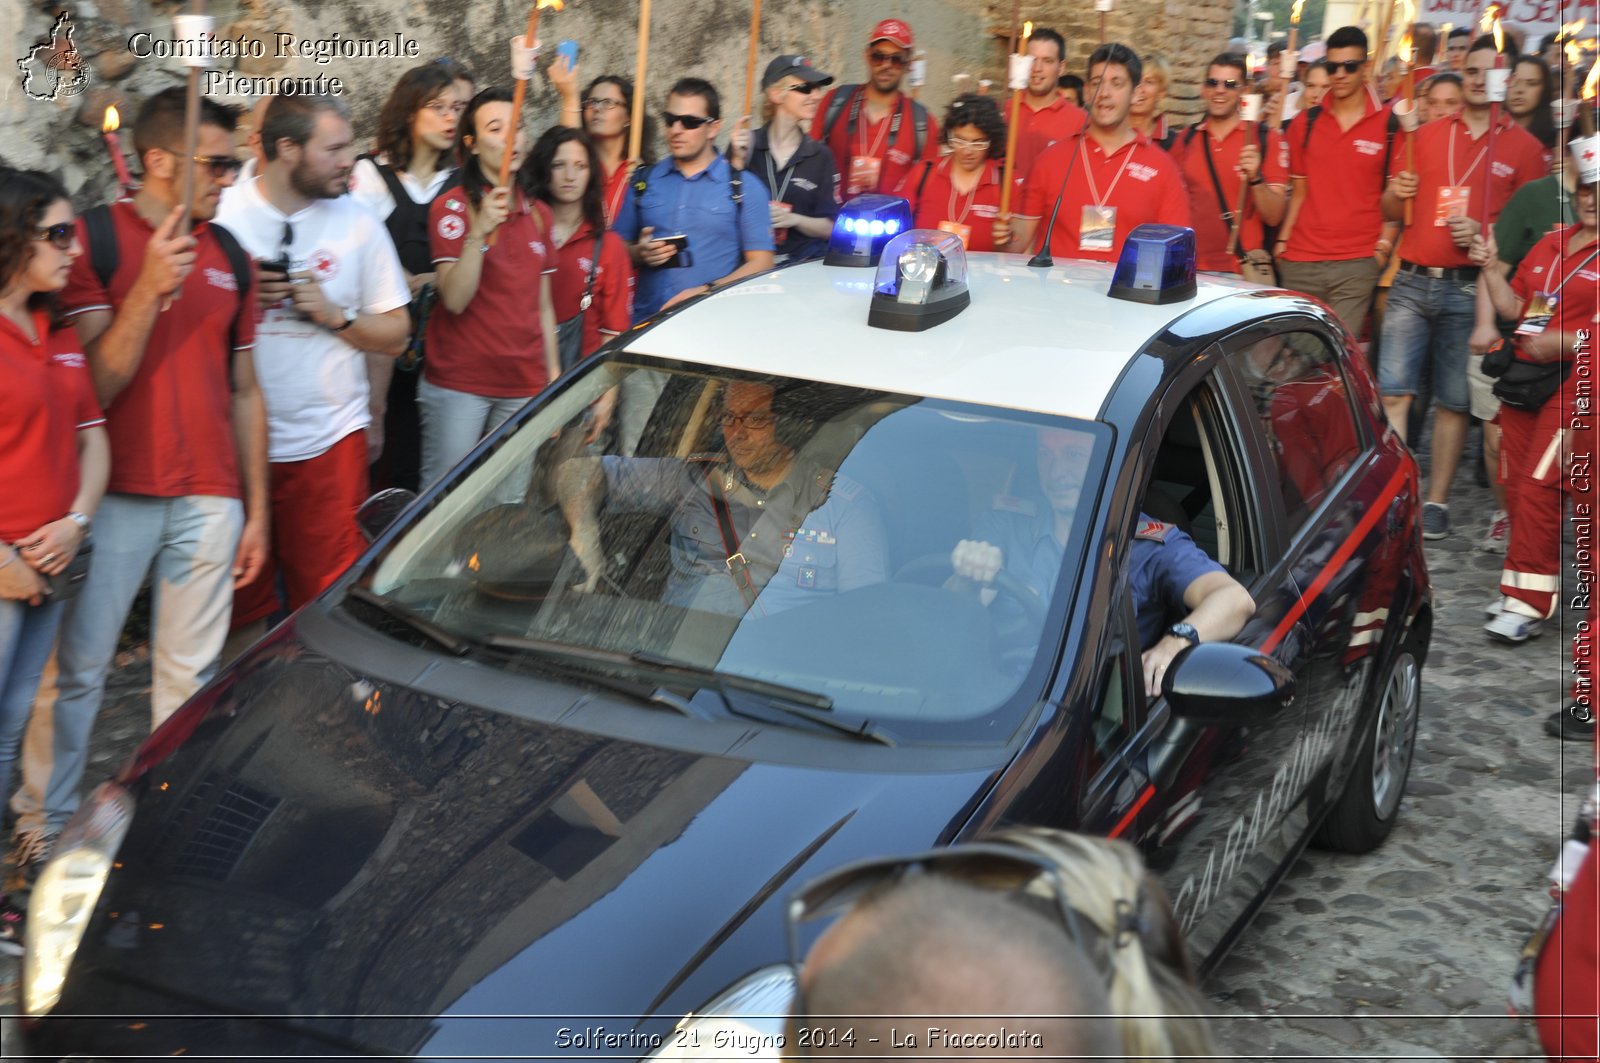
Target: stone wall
x: 703, y: 37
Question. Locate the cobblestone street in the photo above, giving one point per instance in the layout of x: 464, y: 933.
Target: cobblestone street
x: 1402, y: 953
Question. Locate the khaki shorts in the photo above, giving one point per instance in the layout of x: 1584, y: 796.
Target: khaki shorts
x: 1480, y: 390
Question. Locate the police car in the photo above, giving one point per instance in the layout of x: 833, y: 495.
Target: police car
x: 537, y: 776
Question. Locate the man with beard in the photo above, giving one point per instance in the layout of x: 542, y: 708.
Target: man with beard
x: 1109, y: 180
x: 1165, y: 566
x: 331, y: 290
x: 875, y: 131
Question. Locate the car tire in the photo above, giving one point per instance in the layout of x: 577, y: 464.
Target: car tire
x: 1366, y: 810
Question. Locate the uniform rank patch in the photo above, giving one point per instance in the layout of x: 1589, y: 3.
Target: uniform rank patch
x: 1153, y: 530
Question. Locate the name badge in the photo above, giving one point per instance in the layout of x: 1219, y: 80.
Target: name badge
x: 963, y: 232
x: 1541, y: 308
x: 1097, y: 228
x: 780, y: 235
x: 1452, y: 203
x: 864, y: 171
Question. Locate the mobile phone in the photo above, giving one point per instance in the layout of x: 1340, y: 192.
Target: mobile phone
x: 680, y: 243
x: 278, y: 265
x: 568, y: 50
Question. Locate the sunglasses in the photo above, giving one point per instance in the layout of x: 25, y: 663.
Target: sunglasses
x: 688, y: 121
x: 1220, y: 83
x: 892, y: 58
x: 60, y: 236
x: 220, y: 166
x: 1349, y: 66
x: 805, y: 88
x: 601, y: 104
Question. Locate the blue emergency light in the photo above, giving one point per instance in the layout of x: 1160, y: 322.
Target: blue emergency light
x: 863, y: 226
x: 1156, y: 265
x: 921, y: 282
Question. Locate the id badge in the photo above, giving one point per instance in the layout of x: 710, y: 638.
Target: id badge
x: 1097, y: 228
x: 780, y: 235
x: 1541, y: 308
x: 964, y: 232
x: 864, y: 171
x: 1452, y: 203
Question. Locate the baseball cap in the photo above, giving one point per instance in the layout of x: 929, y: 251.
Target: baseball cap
x: 1315, y: 52
x: 797, y: 65
x: 892, y: 30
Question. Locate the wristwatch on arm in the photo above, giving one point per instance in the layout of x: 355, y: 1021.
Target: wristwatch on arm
x: 350, y: 315
x: 1185, y: 631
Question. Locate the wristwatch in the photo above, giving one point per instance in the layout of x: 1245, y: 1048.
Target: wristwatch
x: 1185, y: 631
x: 350, y: 315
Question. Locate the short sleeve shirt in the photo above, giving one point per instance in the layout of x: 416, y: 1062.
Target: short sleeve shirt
x: 701, y: 207
x: 1211, y: 233
x: 808, y: 184
x: 611, y: 305
x: 1340, y: 215
x: 935, y: 203
x: 892, y: 139
x: 1533, y: 210
x: 1044, y: 128
x: 1567, y: 281
x: 1138, y: 180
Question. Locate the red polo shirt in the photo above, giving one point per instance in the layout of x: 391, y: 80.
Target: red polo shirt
x: 1340, y: 217
x: 1446, y: 155
x: 1550, y: 269
x: 171, y: 428
x: 611, y: 305
x: 495, y: 346
x: 47, y: 399
x: 1210, y: 231
x: 1038, y: 130
x: 873, y: 140
x: 936, y: 204
x: 1139, y: 179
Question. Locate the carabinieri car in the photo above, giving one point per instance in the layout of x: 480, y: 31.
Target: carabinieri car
x: 537, y: 775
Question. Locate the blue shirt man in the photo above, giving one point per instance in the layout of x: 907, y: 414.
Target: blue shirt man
x: 693, y: 192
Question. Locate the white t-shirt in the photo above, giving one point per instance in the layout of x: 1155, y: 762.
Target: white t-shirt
x: 314, y: 383
x: 369, y: 188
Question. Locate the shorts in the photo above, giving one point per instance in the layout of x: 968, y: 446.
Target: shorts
x: 1480, y: 390
x: 1427, y: 317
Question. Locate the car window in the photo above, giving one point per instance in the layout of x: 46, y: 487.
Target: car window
x: 788, y: 531
x: 1115, y: 711
x: 1304, y: 408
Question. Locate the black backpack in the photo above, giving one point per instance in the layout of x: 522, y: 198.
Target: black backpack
x: 1391, y: 128
x: 408, y: 222
x: 850, y: 94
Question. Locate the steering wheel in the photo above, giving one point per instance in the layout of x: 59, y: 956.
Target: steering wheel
x: 1017, y: 638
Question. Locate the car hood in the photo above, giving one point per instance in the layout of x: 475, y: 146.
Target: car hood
x: 323, y: 845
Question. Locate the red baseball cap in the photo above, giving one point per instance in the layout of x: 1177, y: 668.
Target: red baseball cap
x: 892, y: 30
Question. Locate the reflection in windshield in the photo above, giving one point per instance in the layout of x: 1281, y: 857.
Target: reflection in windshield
x: 784, y: 530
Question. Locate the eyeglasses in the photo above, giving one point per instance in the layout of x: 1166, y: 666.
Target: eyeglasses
x: 601, y: 103
x: 446, y: 110
x: 959, y: 144
x: 1349, y: 66
x: 805, y: 88
x: 60, y: 236
x: 892, y: 58
x: 1220, y: 83
x: 688, y: 121
x: 755, y: 420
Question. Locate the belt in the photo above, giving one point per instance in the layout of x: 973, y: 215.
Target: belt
x: 1448, y: 273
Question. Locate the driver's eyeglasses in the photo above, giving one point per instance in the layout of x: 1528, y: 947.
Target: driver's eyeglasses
x: 601, y: 104
x: 688, y: 121
x: 892, y: 58
x: 978, y: 145
x: 60, y: 236
x: 755, y: 421
x: 1223, y: 83
x: 1349, y: 66
x: 446, y: 109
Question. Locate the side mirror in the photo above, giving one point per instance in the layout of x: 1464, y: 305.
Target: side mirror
x: 381, y: 510
x: 1226, y: 684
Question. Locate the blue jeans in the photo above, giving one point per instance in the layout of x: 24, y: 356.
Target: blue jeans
x: 1427, y: 317
x: 26, y: 634
x: 453, y: 422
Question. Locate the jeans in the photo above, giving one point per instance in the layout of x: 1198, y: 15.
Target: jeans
x: 188, y: 545
x: 1429, y: 318
x: 26, y: 634
x: 453, y: 422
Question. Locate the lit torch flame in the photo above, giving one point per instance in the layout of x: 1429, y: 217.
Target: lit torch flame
x: 1294, y: 12
x: 1403, y: 50
x: 1590, y: 83
x: 1499, y: 36
x: 1027, y: 29
x: 1491, y: 15
x: 113, y: 120
x: 550, y: 5
x: 472, y: 562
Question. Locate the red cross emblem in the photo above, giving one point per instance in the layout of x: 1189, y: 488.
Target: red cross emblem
x: 324, y: 263
x: 1588, y: 155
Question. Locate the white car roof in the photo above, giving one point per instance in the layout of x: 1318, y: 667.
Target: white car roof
x: 1041, y: 340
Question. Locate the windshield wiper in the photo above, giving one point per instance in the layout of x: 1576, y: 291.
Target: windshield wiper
x: 451, y: 643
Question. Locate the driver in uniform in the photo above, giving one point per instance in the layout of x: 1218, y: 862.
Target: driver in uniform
x: 758, y: 531
x: 1166, y: 567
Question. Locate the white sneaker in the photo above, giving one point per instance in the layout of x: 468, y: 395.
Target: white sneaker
x: 1513, y: 627
x: 1496, y: 606
x: 1499, y: 533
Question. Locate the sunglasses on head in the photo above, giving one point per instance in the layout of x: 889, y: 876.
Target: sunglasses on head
x: 60, y: 236
x: 688, y: 121
x: 1223, y: 83
x: 893, y: 58
x: 1349, y: 66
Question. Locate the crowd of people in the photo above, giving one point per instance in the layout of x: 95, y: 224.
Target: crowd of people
x: 320, y: 320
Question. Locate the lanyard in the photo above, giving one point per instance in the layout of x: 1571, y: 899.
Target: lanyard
x: 971, y: 197
x: 788, y: 172
x: 1557, y: 289
x: 1088, y: 175
x: 1451, y: 161
x: 894, y: 125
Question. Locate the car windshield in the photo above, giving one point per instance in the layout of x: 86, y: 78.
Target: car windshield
x: 786, y: 531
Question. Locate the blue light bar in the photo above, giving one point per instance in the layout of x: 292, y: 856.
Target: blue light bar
x: 863, y: 226
x: 1156, y: 265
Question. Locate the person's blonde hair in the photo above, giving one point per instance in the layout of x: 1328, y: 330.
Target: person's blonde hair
x: 1156, y: 63
x: 1151, y: 982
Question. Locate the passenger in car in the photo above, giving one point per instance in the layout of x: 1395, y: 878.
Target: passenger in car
x: 756, y: 530
x: 1167, y: 572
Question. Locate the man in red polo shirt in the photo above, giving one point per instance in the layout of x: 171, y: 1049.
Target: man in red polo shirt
x: 1119, y: 180
x: 874, y: 130
x: 1434, y: 298
x: 1331, y: 245
x: 1226, y: 162
x: 168, y: 335
x: 1046, y: 116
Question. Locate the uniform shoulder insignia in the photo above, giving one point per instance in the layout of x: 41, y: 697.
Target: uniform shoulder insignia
x: 709, y: 457
x: 844, y: 487
x: 1013, y: 504
x: 1154, y: 531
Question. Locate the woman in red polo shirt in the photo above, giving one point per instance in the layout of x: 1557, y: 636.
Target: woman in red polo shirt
x: 491, y: 338
x: 53, y: 451
x: 960, y: 193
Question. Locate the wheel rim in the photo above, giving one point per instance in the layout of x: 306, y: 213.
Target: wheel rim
x: 1395, y: 735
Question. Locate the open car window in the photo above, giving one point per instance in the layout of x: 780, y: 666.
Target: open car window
x: 790, y: 531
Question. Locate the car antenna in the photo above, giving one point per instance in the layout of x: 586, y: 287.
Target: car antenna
x: 1043, y: 258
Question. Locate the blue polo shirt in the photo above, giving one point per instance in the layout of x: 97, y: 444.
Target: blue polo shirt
x: 701, y: 207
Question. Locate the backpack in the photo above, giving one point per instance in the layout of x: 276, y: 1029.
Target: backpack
x: 105, y: 255
x: 408, y: 222
x: 851, y: 94
x: 1391, y: 128
x: 735, y: 193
